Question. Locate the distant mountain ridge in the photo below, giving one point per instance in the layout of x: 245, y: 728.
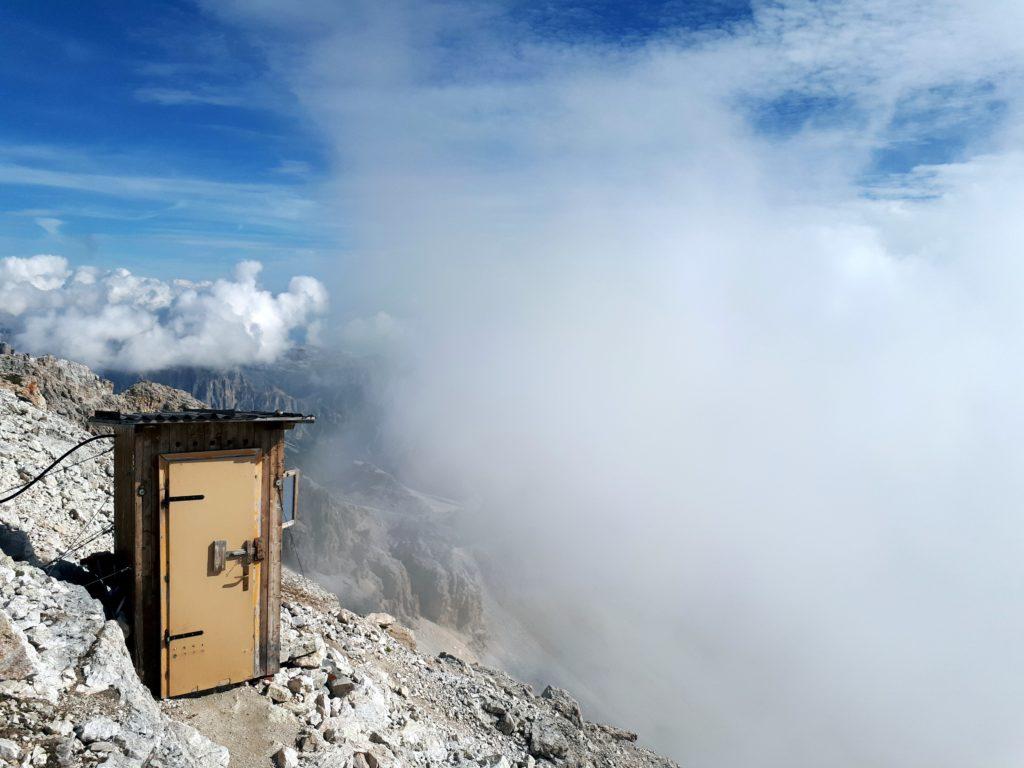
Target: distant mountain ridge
x: 340, y: 390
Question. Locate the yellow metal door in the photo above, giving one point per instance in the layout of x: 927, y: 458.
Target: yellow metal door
x: 210, y: 529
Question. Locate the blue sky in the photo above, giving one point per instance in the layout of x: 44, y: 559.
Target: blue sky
x: 142, y: 133
x: 169, y: 138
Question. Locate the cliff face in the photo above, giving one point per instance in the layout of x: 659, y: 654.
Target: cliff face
x: 353, y: 691
x: 221, y: 389
x: 409, y: 566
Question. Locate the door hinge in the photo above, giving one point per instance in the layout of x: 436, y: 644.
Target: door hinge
x: 196, y: 497
x: 168, y: 637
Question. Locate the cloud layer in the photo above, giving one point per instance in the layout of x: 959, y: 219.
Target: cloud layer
x: 118, y: 320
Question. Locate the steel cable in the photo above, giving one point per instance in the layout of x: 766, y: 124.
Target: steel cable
x: 55, y: 462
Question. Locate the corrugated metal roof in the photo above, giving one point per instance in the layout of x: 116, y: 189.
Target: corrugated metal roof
x: 195, y: 416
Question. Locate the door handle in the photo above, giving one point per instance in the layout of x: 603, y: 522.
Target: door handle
x: 250, y: 552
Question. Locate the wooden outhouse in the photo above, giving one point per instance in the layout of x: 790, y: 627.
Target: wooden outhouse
x: 199, y: 504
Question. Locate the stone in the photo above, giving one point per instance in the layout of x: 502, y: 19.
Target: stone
x: 547, y: 741
x: 336, y: 664
x: 322, y: 702
x: 98, y: 729
x: 618, y: 734
x: 40, y: 636
x: 309, y: 741
x: 65, y: 752
x: 382, y: 620
x: 564, y: 704
x: 404, y: 635
x: 364, y: 760
x: 313, y: 658
x: 9, y: 750
x: 506, y: 724
x: 58, y: 728
x: 286, y: 757
x: 117, y: 760
x: 107, y: 662
x: 341, y: 686
x: 182, y: 745
x: 277, y: 692
x: 18, y: 659
x: 300, y: 683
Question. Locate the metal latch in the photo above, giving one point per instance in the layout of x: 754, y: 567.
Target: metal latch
x: 251, y: 552
x: 219, y: 551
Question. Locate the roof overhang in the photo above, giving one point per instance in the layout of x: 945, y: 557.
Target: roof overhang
x: 196, y: 416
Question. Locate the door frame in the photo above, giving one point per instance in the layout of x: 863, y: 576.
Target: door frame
x: 165, y: 462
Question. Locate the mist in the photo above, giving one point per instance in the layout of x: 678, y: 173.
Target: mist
x: 747, y: 470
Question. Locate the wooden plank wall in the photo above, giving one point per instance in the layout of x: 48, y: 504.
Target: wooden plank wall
x: 271, y: 440
x: 274, y: 548
x: 147, y: 571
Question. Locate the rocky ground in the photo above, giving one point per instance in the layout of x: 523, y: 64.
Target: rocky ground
x: 353, y: 691
x: 72, y: 505
x: 69, y: 695
x: 72, y: 390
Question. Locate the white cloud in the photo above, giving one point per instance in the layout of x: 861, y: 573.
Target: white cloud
x: 50, y: 225
x: 256, y: 206
x: 180, y: 97
x: 118, y: 320
x: 293, y: 168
